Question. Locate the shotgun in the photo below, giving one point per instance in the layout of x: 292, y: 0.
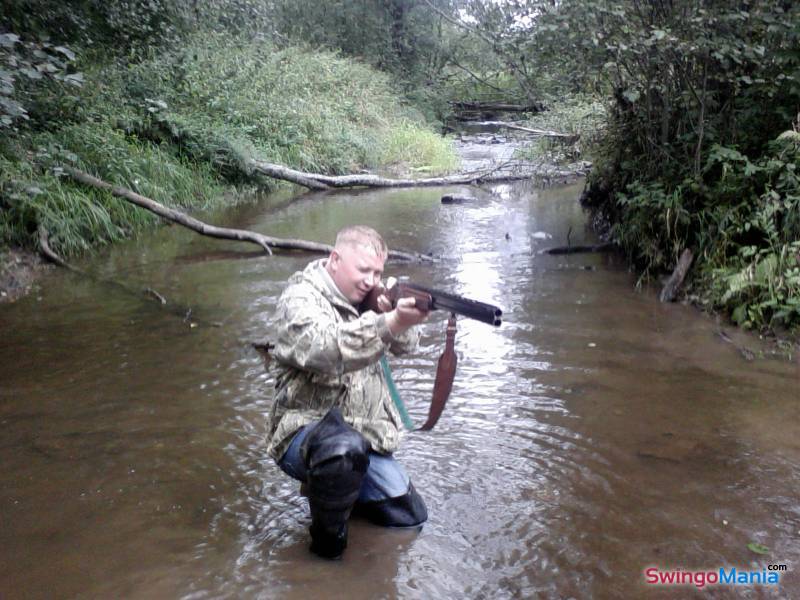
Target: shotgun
x: 429, y: 299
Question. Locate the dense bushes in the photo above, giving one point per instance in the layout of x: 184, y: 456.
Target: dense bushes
x: 701, y: 145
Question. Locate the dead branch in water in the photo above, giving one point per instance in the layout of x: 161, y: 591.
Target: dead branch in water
x: 241, y: 235
x: 49, y: 254
x: 52, y: 256
x: 572, y: 137
x: 678, y: 275
x: 578, y: 249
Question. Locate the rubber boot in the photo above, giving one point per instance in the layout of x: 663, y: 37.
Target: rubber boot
x: 336, y: 458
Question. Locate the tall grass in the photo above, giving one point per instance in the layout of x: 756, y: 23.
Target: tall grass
x: 311, y: 110
x: 78, y: 218
x: 179, y: 125
x: 409, y: 146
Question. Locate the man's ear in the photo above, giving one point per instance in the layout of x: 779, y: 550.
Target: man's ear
x: 333, y: 261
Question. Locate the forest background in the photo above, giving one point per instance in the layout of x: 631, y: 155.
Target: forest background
x: 688, y: 109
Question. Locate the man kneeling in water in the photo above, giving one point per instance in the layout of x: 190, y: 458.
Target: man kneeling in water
x: 333, y: 424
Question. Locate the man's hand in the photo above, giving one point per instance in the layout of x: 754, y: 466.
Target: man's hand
x: 404, y: 316
x: 384, y: 304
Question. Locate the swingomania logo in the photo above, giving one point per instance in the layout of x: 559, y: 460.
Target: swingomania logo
x: 769, y: 575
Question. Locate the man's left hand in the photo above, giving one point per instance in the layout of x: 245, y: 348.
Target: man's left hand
x: 384, y: 304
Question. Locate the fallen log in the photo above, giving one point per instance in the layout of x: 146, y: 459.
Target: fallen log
x: 242, y: 235
x: 572, y: 137
x: 252, y: 168
x: 317, y: 181
x: 675, y: 280
x: 489, y: 106
x: 458, y: 199
x: 607, y: 247
x: 44, y: 247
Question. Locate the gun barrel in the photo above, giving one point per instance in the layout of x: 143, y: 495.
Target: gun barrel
x: 480, y: 311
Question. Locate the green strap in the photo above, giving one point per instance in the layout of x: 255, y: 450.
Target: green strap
x: 398, y: 402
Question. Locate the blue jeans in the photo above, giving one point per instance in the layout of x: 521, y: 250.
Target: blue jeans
x: 385, y: 477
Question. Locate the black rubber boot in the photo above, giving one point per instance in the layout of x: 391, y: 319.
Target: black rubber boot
x: 336, y: 457
x: 404, y: 511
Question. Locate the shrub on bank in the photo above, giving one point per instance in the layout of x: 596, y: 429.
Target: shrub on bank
x: 742, y: 218
x: 36, y: 193
x: 580, y: 116
x: 311, y: 110
x: 179, y: 124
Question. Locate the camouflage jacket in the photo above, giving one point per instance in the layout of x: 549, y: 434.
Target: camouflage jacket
x: 327, y: 355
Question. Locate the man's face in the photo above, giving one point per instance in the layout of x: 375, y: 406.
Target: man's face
x: 355, y: 270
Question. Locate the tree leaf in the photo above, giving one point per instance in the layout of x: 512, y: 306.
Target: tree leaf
x: 31, y: 73
x: 631, y: 95
x: 75, y: 79
x: 65, y: 51
x: 757, y: 548
x: 7, y: 40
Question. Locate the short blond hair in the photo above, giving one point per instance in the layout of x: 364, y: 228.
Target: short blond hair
x: 361, y: 235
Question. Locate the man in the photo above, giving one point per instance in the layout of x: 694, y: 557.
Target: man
x: 333, y: 424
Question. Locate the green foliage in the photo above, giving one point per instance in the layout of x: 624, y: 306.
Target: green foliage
x: 753, y: 235
x: 398, y: 36
x: 116, y: 26
x: 169, y: 126
x: 656, y: 224
x: 700, y: 147
x: 29, y: 71
x: 311, y: 110
x: 34, y: 193
x: 742, y: 218
x: 579, y: 115
x: 408, y: 145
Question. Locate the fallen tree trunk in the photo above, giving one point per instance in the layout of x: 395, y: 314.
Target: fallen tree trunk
x: 495, y: 106
x: 241, y: 235
x: 44, y: 246
x: 318, y: 181
x: 572, y: 137
x: 252, y: 168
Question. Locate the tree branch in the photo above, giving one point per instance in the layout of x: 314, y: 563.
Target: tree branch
x: 242, y: 235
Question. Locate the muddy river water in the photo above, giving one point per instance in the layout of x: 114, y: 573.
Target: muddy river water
x: 595, y: 434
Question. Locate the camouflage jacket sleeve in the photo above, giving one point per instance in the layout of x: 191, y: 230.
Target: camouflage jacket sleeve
x: 312, y: 335
x: 405, y: 342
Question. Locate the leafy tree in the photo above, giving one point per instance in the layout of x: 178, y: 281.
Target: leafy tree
x: 26, y: 65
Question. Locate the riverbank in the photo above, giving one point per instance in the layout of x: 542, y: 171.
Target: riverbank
x: 185, y: 127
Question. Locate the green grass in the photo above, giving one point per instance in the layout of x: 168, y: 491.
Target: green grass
x: 180, y: 126
x: 77, y: 217
x: 409, y: 145
x: 314, y: 111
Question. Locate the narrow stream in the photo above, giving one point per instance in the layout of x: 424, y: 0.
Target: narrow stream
x: 596, y: 433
